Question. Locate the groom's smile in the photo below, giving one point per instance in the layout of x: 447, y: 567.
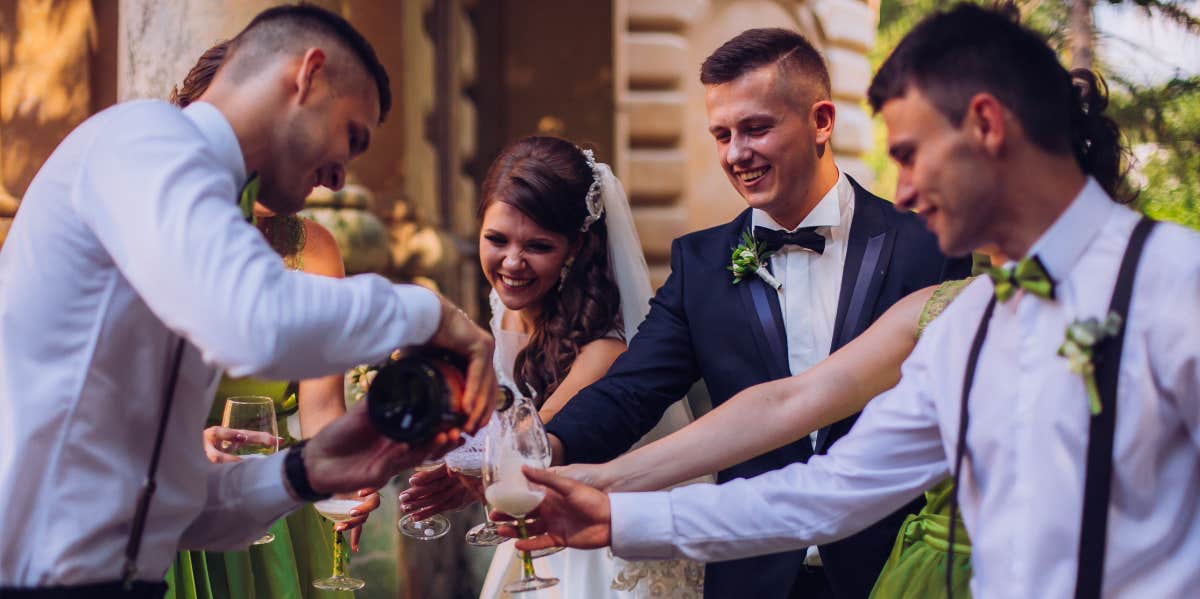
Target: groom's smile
x: 751, y: 178
x: 765, y: 143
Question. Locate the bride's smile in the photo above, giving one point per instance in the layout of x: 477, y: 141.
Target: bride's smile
x: 521, y: 260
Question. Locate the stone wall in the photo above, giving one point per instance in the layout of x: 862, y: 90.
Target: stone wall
x: 45, y: 73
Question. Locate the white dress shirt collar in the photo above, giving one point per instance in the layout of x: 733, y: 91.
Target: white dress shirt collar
x: 1062, y: 245
x: 827, y: 212
x: 219, y: 134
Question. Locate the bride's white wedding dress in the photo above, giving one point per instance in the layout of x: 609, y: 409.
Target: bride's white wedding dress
x: 587, y: 574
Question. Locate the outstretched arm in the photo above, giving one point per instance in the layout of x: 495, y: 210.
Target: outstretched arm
x: 773, y: 414
x: 893, y: 452
x: 163, y: 206
x: 607, y: 418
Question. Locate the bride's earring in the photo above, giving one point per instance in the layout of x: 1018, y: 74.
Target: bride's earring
x: 566, y: 269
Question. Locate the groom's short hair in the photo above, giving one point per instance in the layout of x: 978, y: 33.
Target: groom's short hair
x: 751, y: 49
x: 291, y: 28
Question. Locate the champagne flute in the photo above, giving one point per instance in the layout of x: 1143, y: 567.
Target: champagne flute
x: 433, y: 527
x: 251, y: 413
x: 483, y: 534
x: 466, y: 463
x: 337, y: 510
x: 519, y: 440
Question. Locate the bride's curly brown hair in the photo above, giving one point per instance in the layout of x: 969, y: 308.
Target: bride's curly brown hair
x: 547, y: 179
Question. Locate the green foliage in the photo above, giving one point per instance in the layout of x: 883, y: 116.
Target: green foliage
x: 1161, y: 123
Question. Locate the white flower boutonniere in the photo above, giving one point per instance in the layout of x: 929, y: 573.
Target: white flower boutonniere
x: 1079, y: 348
x: 749, y: 258
x: 358, y: 378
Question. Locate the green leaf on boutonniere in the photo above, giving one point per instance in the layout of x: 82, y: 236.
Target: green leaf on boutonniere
x: 249, y: 198
x: 750, y: 258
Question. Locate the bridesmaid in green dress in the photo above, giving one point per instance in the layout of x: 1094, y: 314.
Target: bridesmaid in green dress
x: 779, y: 412
x: 303, y: 547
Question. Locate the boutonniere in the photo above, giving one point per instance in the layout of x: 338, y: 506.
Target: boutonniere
x: 1082, y: 337
x: 359, y: 378
x: 750, y: 257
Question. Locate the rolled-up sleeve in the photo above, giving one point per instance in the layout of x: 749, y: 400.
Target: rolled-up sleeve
x: 893, y: 453
x: 163, y: 207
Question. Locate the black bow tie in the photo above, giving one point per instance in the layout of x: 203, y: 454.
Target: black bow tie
x: 805, y: 237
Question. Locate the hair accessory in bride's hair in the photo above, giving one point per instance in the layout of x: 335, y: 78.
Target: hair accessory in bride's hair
x: 595, y: 206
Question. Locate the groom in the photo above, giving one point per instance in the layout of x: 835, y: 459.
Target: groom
x: 1063, y: 493
x: 842, y: 256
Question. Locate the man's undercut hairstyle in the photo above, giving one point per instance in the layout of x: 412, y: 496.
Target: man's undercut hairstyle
x: 952, y: 56
x: 292, y: 28
x: 754, y: 48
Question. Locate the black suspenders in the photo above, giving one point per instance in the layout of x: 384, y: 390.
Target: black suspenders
x: 1098, y: 478
x: 133, y: 546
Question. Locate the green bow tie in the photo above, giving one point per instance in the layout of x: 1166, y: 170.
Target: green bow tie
x: 248, y: 197
x: 1028, y: 274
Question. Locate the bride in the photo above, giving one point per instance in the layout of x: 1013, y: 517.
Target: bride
x: 569, y: 287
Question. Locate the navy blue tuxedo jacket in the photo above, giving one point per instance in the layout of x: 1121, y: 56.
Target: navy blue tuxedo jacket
x: 701, y: 325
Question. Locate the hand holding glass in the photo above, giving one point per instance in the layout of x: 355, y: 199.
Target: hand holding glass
x: 433, y: 527
x: 256, y: 414
x: 519, y: 440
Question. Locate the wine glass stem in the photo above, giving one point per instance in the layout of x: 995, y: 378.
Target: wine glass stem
x: 339, y: 547
x: 526, y: 558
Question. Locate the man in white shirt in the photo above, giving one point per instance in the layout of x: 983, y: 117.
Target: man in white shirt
x: 994, y: 145
x: 129, y: 239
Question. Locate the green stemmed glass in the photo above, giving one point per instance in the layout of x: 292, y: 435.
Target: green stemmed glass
x: 337, y: 510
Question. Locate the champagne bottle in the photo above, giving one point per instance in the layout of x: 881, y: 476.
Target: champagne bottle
x: 413, y: 398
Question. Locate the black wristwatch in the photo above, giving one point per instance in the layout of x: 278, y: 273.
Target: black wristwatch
x: 297, y: 474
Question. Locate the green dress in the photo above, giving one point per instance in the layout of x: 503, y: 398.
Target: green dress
x: 303, y: 547
x: 916, y: 568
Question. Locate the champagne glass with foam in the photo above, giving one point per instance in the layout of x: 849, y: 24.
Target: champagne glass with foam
x: 517, y: 440
x: 338, y: 510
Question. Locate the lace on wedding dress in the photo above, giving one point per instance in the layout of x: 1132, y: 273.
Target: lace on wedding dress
x: 469, y: 456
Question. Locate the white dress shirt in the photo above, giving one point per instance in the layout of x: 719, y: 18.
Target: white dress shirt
x: 1022, y: 493
x: 129, y: 235
x: 812, y: 282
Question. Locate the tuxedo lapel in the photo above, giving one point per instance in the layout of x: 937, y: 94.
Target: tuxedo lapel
x: 760, y: 303
x: 868, y: 255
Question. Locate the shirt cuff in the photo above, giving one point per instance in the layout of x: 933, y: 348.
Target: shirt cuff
x: 642, y: 525
x: 263, y: 489
x: 423, y: 311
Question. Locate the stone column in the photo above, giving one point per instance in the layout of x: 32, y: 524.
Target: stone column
x: 160, y: 41
x: 848, y: 28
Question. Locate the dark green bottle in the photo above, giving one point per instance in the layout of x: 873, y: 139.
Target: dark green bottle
x: 414, y: 398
